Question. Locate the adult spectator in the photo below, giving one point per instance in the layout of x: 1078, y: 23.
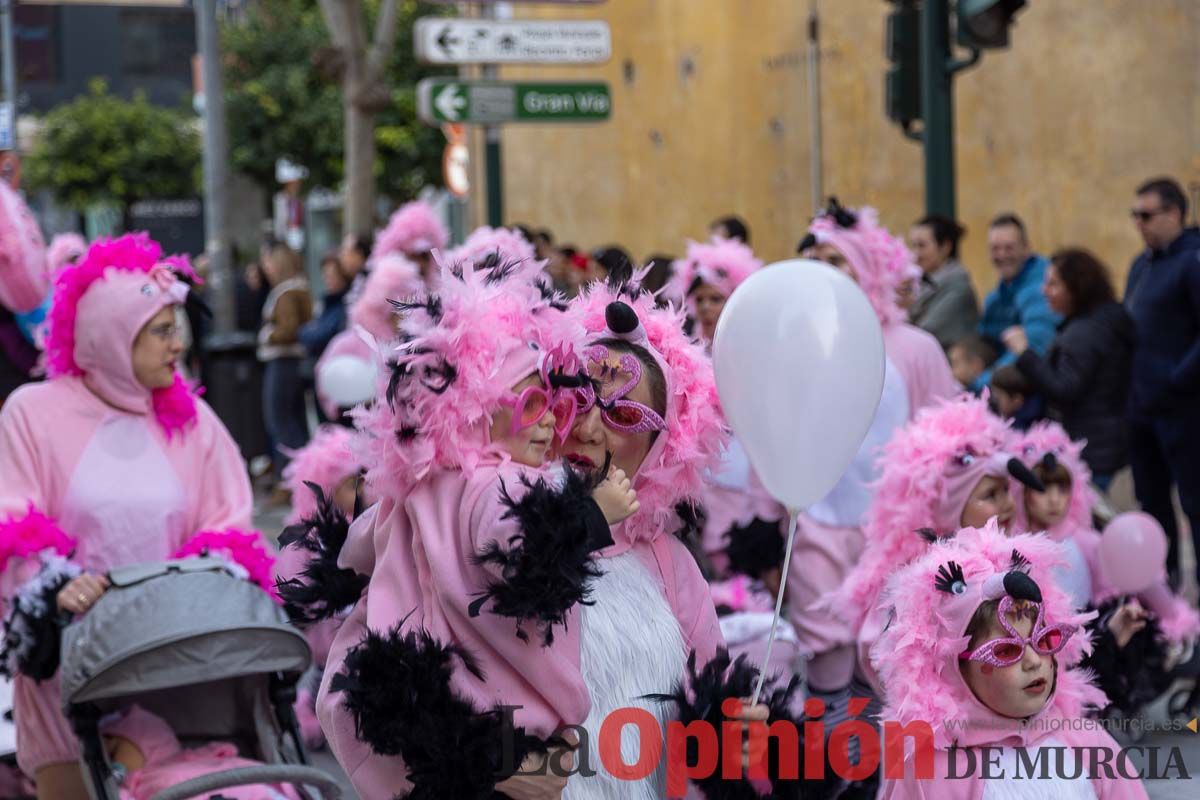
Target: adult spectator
x: 945, y: 304
x: 318, y: 332
x: 356, y: 249
x: 1017, y: 300
x: 1163, y: 297
x: 1084, y: 376
x: 288, y: 306
x: 730, y: 227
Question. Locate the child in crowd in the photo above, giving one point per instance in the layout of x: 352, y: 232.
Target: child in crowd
x: 969, y: 359
x: 985, y: 649
x: 1015, y: 398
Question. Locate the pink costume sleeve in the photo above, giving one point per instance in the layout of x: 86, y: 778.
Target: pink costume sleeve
x: 923, y: 365
x: 24, y: 530
x: 690, y: 597
x: 358, y: 552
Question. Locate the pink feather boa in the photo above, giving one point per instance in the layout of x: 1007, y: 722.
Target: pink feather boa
x: 508, y: 242
x: 392, y: 277
x: 327, y: 460
x: 22, y: 537
x: 244, y: 548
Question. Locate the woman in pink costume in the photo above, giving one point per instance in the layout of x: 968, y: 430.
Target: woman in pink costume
x: 985, y: 649
x: 110, y: 462
x: 854, y: 242
x: 1131, y: 645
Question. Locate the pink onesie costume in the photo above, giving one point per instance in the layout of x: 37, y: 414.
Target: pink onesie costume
x: 168, y: 764
x: 94, y: 465
x: 918, y: 660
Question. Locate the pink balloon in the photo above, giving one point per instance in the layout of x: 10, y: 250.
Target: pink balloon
x: 1133, y: 552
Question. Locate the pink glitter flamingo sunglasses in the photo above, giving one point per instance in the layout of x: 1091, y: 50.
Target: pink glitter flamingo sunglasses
x: 557, y: 367
x: 618, y: 413
x: 1006, y: 651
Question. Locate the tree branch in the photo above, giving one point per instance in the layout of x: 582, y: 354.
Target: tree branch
x: 385, y: 40
x: 345, y: 23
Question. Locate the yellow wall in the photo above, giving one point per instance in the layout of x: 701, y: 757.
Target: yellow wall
x: 711, y: 115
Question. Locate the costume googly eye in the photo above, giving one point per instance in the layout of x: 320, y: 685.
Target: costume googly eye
x: 965, y: 460
x: 950, y: 579
x: 147, y: 290
x: 534, y: 346
x: 1029, y: 450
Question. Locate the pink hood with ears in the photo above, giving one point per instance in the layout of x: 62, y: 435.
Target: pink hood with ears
x: 917, y: 655
x: 721, y: 263
x: 1049, y: 438
x: 674, y: 469
x: 100, y: 304
x: 412, y: 228
x: 928, y: 471
x: 880, y: 260
x: 392, y: 277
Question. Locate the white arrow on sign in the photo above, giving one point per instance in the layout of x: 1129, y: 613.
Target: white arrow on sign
x: 438, y: 40
x: 449, y: 102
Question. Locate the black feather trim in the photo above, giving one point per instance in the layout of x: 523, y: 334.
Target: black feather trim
x: 756, y: 548
x: 1132, y: 676
x: 323, y: 588
x: 723, y: 678
x: 397, y: 688
x: 547, y: 567
x: 32, y: 642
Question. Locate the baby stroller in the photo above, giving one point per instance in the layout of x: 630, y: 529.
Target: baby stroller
x: 210, y: 654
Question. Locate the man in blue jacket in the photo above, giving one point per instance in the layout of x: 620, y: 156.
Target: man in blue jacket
x: 1017, y: 301
x: 1163, y: 297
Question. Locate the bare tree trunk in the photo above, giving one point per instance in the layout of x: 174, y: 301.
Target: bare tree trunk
x: 364, y: 94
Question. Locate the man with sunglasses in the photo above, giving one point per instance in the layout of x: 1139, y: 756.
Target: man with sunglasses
x: 1163, y: 297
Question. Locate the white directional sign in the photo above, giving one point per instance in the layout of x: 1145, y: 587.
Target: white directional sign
x: 489, y: 41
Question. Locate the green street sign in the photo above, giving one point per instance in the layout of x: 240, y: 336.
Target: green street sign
x: 441, y: 100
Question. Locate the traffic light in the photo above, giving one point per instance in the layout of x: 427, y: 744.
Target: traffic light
x: 984, y: 24
x: 902, y: 87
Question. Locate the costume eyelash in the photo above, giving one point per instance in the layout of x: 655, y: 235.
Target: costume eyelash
x: 1019, y: 562
x: 431, y: 305
x: 949, y: 574
x: 443, y: 370
x: 928, y: 534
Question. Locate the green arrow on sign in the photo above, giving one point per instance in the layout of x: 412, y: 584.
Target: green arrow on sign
x: 442, y: 100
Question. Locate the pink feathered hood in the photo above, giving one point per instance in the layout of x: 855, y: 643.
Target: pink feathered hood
x: 100, y: 304
x: 327, y: 460
x: 933, y: 600
x: 721, y: 263
x: 461, y: 350
x: 24, y: 276
x: 880, y: 261
x: 1048, y: 440
x: 928, y: 471
x: 392, y: 277
x: 413, y: 228
x: 674, y: 469
x: 507, y: 243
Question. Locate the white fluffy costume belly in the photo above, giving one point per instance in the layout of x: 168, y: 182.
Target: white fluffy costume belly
x: 631, y: 646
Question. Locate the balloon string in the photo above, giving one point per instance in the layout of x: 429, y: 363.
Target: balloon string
x: 793, y: 515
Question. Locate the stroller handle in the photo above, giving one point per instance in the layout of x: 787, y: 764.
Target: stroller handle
x: 247, y: 776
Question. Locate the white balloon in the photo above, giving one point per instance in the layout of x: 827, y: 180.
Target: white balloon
x: 347, y: 380
x: 799, y: 361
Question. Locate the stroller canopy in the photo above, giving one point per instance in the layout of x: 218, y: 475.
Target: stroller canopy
x: 173, y: 624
